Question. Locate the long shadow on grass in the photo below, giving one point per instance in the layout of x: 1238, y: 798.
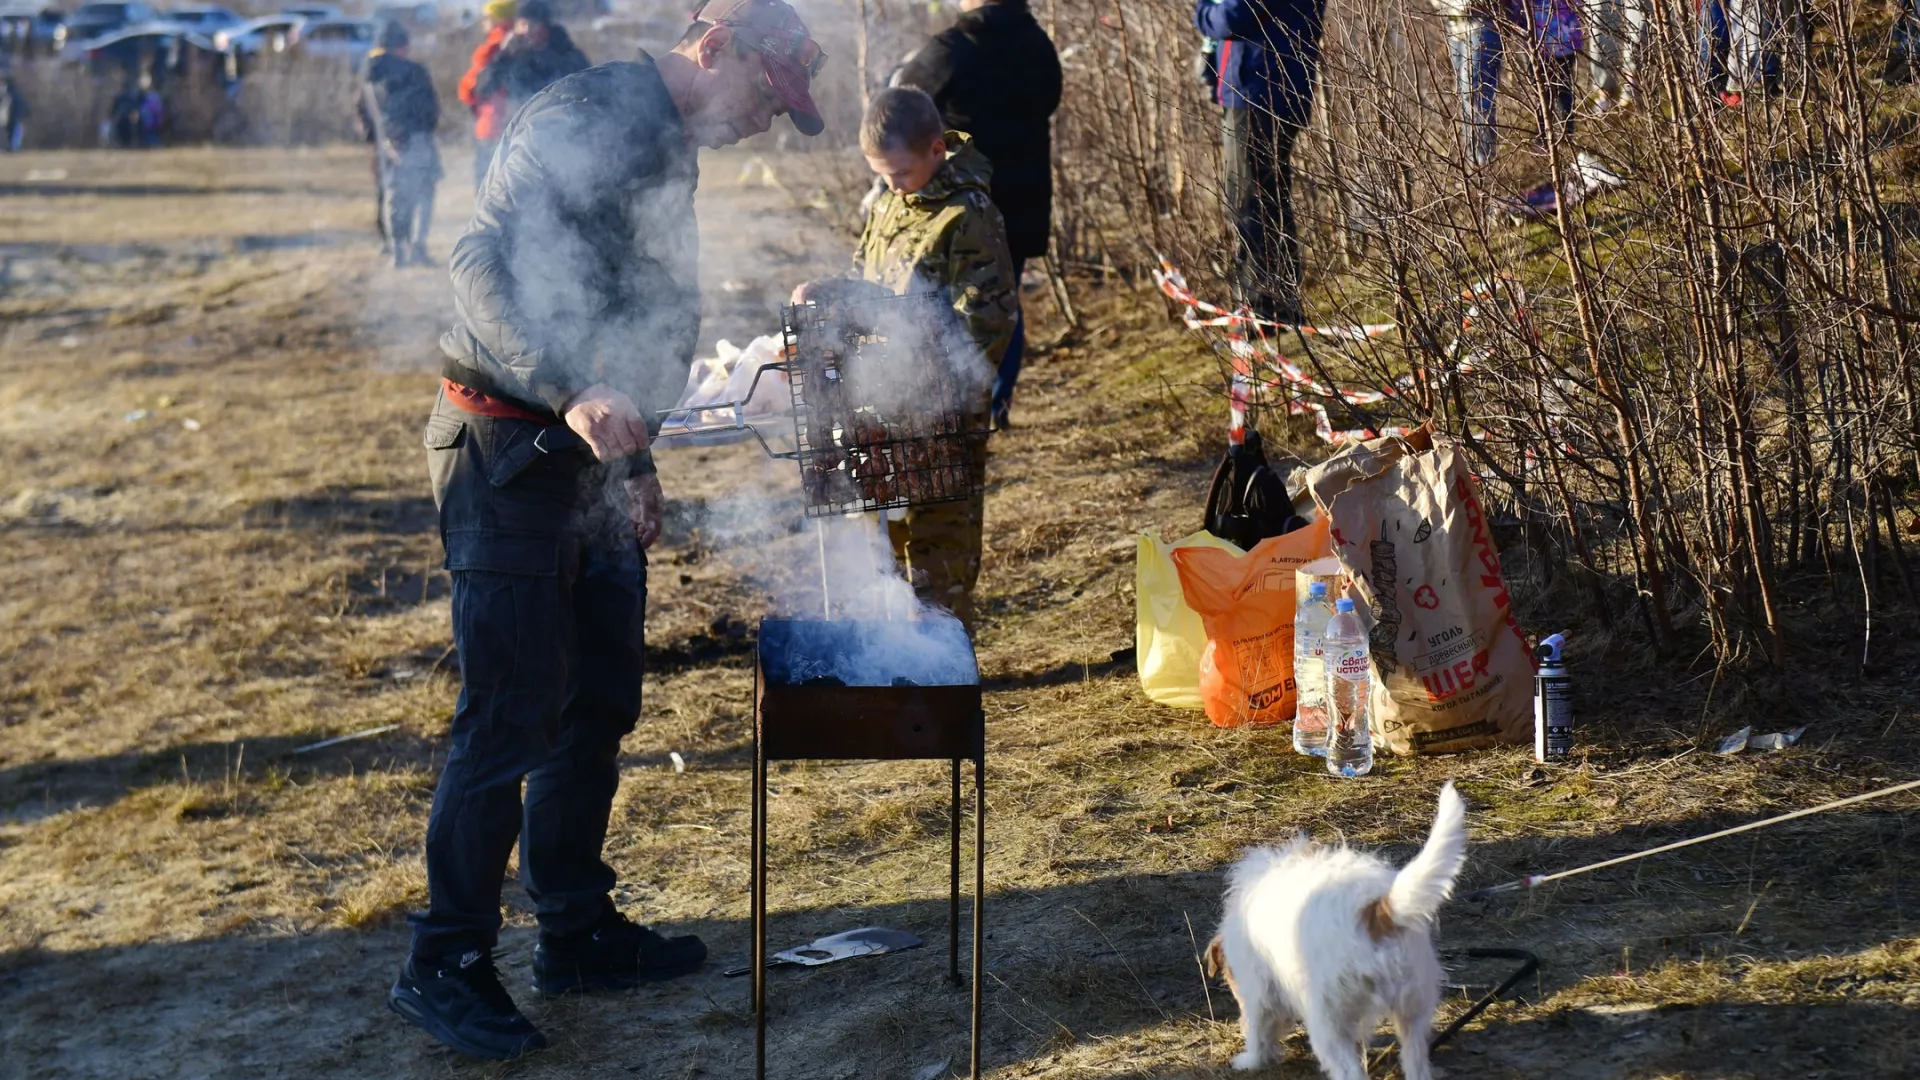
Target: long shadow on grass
x: 40, y: 789
x: 1071, y: 962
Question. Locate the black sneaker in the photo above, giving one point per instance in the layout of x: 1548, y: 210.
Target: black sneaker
x: 459, y: 1001
x: 616, y: 955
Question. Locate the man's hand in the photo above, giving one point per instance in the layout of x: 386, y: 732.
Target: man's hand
x: 647, y: 507
x: 608, y: 421
x: 804, y: 292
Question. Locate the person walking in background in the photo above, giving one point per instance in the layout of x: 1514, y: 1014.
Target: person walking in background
x: 13, y: 113
x: 1269, y: 53
x: 996, y: 76
x: 537, y: 53
x: 489, y: 113
x: 399, y: 111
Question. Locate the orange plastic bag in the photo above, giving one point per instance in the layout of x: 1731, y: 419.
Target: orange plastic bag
x: 1246, y: 603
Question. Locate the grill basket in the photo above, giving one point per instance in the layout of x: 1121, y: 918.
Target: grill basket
x: 881, y: 403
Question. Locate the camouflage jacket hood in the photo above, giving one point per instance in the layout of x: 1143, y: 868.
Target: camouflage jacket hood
x: 947, y: 235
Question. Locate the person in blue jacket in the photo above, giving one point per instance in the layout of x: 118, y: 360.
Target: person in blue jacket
x: 1269, y: 51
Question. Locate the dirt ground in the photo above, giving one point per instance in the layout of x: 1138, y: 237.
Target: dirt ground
x: 220, y: 548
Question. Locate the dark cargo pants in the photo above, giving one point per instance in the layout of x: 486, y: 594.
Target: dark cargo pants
x: 549, y: 597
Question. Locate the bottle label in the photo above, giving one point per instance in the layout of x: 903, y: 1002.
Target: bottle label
x: 1348, y: 664
x: 1552, y: 717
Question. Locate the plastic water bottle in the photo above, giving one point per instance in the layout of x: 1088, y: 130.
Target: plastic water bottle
x: 1349, y: 690
x: 1310, y: 671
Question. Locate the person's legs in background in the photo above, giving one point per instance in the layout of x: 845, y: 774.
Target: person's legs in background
x: 397, y: 200
x: 1258, y: 150
x: 1605, y: 21
x: 1903, y: 57
x: 1713, y: 47
x: 1474, y: 46
x: 1754, y: 30
x: 1559, y: 74
x: 1009, y: 372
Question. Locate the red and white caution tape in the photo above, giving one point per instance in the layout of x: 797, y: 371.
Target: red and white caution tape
x: 1257, y: 350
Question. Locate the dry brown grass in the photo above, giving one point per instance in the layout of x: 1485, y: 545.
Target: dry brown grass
x: 181, y: 610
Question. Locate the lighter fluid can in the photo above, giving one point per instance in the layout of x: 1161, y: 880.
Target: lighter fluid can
x: 1552, y: 702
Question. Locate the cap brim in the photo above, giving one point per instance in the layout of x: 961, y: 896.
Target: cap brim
x: 790, y: 81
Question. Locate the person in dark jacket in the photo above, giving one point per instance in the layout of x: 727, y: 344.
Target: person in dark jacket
x: 398, y: 112
x: 995, y: 75
x: 577, y: 298
x: 537, y: 53
x: 1269, y: 54
x: 13, y: 114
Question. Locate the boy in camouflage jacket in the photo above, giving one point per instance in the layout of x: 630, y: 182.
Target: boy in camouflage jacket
x: 934, y: 227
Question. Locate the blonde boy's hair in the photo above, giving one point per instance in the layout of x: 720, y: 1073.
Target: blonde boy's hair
x: 900, y: 118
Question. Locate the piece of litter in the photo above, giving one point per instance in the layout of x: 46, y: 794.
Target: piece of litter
x: 935, y: 1070
x: 71, y: 341
x: 679, y: 763
x: 1778, y: 740
x: 866, y: 941
x: 1745, y: 739
x: 190, y: 424
x: 164, y: 401
x: 338, y: 739
x: 136, y: 416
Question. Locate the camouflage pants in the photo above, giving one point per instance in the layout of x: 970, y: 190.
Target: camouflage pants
x: 939, y: 546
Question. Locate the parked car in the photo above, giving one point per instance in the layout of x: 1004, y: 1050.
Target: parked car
x: 345, y: 39
x: 30, y: 28
x: 268, y: 33
x: 312, y: 11
x: 420, y: 15
x: 90, y: 21
x: 203, y: 19
x: 163, y: 49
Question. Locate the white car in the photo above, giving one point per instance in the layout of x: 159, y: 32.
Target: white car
x: 268, y: 33
x: 344, y: 39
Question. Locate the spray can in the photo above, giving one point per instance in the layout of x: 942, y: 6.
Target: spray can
x: 1552, y: 701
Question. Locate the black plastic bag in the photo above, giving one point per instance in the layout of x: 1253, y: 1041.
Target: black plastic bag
x: 1248, y: 500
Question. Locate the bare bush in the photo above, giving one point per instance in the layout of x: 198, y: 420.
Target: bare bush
x: 1697, y: 389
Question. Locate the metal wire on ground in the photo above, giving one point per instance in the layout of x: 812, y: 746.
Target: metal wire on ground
x: 1535, y: 880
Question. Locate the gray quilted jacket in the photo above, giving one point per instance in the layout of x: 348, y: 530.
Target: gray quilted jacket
x: 581, y: 263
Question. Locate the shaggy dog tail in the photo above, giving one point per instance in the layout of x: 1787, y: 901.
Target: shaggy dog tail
x: 1426, y: 882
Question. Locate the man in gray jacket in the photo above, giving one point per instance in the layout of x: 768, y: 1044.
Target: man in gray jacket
x: 578, y: 303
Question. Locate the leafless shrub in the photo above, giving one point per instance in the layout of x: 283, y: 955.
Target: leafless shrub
x: 1697, y: 389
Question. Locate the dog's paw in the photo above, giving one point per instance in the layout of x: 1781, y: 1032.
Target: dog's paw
x: 1247, y: 1060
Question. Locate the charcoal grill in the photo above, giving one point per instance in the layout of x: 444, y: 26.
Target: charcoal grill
x: 799, y: 715
x: 883, y: 409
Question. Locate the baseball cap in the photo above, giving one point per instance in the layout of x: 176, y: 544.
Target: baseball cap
x: 787, y: 51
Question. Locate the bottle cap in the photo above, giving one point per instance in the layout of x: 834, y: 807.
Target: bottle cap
x: 1343, y: 604
x: 1317, y: 590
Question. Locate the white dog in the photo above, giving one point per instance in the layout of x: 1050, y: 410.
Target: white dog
x: 1335, y: 939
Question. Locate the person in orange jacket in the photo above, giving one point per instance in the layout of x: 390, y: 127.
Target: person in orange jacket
x: 489, y: 112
